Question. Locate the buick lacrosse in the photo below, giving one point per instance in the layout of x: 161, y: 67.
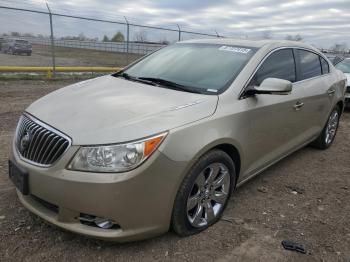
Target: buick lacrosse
x: 164, y: 142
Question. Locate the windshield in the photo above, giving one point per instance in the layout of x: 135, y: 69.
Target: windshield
x: 344, y: 66
x: 207, y: 68
x: 22, y: 42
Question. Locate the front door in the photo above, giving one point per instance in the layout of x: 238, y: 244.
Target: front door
x: 276, y: 121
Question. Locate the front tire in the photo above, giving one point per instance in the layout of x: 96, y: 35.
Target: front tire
x: 204, y: 193
x: 327, y: 136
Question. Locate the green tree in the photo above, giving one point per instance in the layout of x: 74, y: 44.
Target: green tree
x: 105, y: 39
x: 118, y: 37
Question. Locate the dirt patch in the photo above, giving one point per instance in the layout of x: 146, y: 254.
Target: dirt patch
x: 65, y: 56
x: 304, y: 198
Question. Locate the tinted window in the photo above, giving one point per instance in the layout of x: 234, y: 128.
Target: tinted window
x: 324, y: 65
x: 310, y: 65
x: 280, y: 64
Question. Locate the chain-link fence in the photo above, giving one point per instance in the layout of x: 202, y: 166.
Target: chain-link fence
x: 63, y: 39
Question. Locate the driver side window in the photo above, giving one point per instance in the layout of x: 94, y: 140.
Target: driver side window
x: 279, y: 64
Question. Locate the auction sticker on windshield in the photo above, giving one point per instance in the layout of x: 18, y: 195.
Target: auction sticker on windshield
x: 235, y: 49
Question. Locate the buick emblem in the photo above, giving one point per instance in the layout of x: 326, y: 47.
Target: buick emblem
x: 25, y: 141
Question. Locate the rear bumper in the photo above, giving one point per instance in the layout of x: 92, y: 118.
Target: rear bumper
x: 140, y: 202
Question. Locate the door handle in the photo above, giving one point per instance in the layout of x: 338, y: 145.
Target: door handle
x: 298, y: 105
x: 331, y: 92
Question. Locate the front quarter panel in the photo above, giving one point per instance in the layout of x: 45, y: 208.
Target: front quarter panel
x: 188, y: 143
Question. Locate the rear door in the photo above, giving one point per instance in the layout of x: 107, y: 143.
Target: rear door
x: 314, y: 77
x: 276, y: 121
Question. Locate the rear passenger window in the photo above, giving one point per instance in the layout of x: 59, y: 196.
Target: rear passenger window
x: 324, y: 65
x: 310, y: 65
x: 280, y: 64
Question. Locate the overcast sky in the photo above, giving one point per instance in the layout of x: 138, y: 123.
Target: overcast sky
x: 319, y: 22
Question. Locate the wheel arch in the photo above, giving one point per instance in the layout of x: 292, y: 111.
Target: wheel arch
x: 234, y: 154
x: 228, y: 146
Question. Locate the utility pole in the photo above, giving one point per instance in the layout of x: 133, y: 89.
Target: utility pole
x: 52, y: 42
x: 179, y: 39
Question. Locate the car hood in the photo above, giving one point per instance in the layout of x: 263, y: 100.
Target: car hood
x: 113, y: 110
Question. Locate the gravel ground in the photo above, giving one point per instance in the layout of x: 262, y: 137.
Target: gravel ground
x: 304, y: 198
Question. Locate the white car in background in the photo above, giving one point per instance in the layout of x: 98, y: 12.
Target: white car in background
x: 344, y: 66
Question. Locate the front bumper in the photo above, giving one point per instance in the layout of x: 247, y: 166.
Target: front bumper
x: 139, y: 201
x: 22, y: 50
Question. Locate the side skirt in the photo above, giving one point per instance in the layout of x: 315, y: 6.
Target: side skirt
x: 274, y: 162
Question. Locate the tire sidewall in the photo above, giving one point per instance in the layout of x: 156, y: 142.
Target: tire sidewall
x: 216, y: 156
x: 336, y: 108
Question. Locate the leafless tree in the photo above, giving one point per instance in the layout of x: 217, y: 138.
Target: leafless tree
x: 267, y: 35
x: 294, y: 37
x: 141, y: 36
x: 340, y: 47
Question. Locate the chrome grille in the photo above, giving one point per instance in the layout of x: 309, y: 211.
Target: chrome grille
x: 38, y: 142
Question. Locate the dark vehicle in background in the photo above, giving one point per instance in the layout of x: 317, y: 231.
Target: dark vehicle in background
x: 16, y: 46
x: 344, y: 66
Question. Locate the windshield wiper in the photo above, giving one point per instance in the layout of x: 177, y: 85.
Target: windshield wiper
x: 136, y: 79
x: 167, y: 83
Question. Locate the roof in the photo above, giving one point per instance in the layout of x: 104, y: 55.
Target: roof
x: 249, y: 43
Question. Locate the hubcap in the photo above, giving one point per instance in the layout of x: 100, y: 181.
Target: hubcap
x: 332, y: 127
x: 208, y: 195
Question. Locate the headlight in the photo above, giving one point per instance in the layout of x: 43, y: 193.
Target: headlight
x: 115, y: 158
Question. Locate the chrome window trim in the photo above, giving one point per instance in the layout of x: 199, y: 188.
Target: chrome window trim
x: 240, y: 96
x: 50, y: 128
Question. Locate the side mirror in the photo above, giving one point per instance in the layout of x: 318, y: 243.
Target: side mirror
x: 272, y: 86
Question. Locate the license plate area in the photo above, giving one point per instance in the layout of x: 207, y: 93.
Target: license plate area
x: 19, y: 177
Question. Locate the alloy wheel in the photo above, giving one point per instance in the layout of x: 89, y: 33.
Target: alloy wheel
x: 208, y: 195
x: 332, y: 126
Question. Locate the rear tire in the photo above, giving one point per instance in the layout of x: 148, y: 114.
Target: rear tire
x: 204, y: 193
x: 327, y: 136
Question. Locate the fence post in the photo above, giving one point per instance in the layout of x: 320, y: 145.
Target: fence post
x: 52, y: 42
x: 127, y: 39
x: 179, y: 32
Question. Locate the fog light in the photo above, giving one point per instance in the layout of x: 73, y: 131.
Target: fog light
x: 103, y: 223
